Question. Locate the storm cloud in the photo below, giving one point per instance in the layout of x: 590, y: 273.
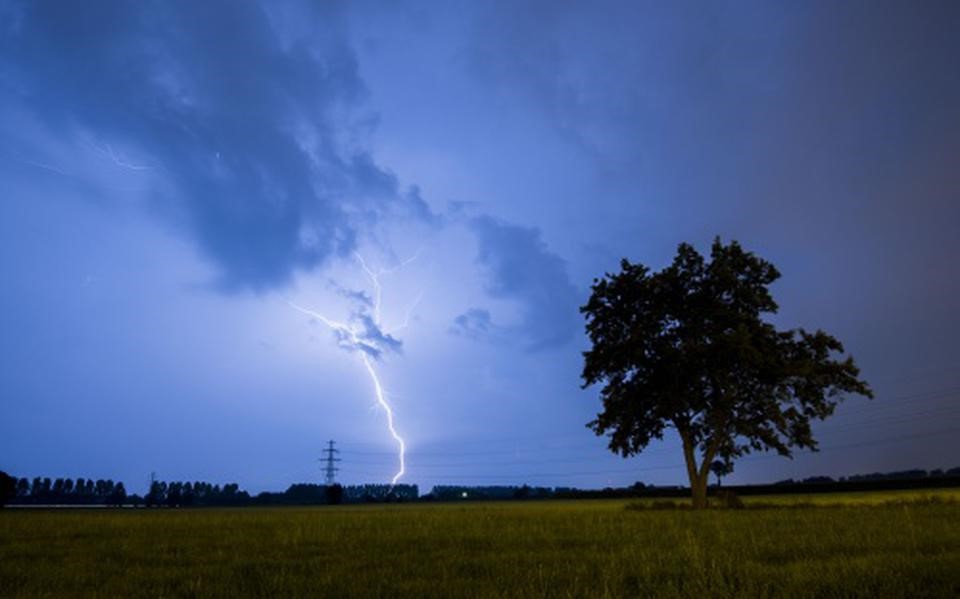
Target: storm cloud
x: 517, y: 265
x: 152, y: 152
x: 251, y: 113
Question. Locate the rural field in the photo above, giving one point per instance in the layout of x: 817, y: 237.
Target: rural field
x: 871, y: 544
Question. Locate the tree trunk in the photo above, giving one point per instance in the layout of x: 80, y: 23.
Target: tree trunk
x: 699, y: 476
x: 698, y: 488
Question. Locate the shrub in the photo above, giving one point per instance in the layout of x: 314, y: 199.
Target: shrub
x: 729, y: 500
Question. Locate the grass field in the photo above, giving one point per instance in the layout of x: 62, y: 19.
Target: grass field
x: 872, y: 545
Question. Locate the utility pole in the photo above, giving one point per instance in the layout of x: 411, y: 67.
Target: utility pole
x: 330, y: 458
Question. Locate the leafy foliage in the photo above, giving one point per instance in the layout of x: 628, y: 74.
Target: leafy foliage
x: 687, y: 348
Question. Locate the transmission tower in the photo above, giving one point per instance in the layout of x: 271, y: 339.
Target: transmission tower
x: 329, y: 458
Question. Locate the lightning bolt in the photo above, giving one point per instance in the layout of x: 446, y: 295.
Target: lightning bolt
x: 107, y: 151
x: 381, y: 399
x: 353, y: 336
x: 47, y: 167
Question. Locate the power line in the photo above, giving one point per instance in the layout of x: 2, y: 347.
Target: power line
x: 876, y: 405
x: 890, y: 419
x: 902, y: 400
x: 632, y: 470
x: 877, y: 414
x: 521, y: 455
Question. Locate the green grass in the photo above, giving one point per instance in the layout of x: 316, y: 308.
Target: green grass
x: 871, y: 545
x: 862, y: 498
x: 913, y: 498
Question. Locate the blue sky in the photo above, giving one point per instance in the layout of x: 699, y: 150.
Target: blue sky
x: 174, y: 175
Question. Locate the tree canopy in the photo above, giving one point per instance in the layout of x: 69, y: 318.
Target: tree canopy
x: 687, y: 348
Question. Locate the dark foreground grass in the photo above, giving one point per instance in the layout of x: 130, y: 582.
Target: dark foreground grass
x: 535, y: 549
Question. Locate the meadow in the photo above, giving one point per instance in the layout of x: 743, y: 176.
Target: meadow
x: 865, y: 544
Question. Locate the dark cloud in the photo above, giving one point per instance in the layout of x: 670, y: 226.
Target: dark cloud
x: 246, y: 110
x: 373, y: 339
x: 360, y: 333
x: 475, y: 323
x: 518, y: 266
x: 357, y: 296
x: 824, y: 136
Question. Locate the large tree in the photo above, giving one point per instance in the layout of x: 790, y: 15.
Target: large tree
x: 687, y: 348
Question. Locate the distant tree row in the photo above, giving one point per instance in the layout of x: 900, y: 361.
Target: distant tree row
x: 874, y: 476
x: 454, y: 492
x: 86, y: 491
x: 380, y: 493
x: 312, y: 494
x: 8, y: 488
x: 66, y: 491
x: 177, y: 494
x: 63, y: 491
x: 303, y: 494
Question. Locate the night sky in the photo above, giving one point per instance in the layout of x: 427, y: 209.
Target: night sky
x: 174, y: 175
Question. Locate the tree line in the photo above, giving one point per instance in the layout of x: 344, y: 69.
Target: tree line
x: 899, y: 475
x: 65, y: 491
x: 186, y: 494
x: 42, y: 491
x: 313, y: 494
x: 82, y: 491
x: 87, y: 491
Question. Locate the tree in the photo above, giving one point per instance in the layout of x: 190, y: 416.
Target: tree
x: 67, y: 493
x: 175, y: 494
x: 118, y: 495
x: 57, y: 493
x: 8, y: 488
x: 157, y: 494
x: 187, y: 496
x: 23, y: 488
x: 721, y: 468
x: 334, y: 494
x: 687, y: 348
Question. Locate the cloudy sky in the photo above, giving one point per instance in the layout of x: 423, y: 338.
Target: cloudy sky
x: 175, y: 177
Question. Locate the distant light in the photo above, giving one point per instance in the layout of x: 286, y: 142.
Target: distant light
x: 464, y: 494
